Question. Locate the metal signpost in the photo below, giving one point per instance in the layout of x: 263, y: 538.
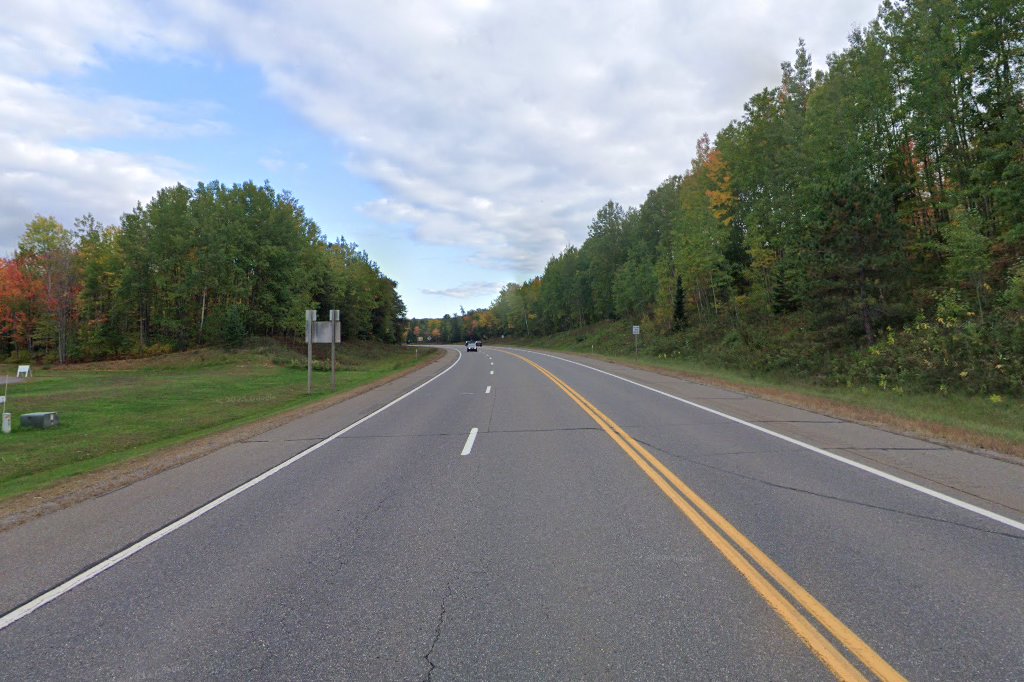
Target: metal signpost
x: 321, y: 332
x: 636, y: 340
x: 4, y: 414
x: 335, y: 325
x: 310, y: 326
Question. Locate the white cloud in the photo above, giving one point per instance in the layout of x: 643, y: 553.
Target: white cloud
x: 505, y: 125
x: 38, y: 177
x: 467, y: 290
x: 40, y: 37
x: 49, y: 162
x: 42, y: 111
x: 496, y: 127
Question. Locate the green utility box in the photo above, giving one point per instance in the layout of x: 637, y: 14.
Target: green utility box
x: 39, y: 420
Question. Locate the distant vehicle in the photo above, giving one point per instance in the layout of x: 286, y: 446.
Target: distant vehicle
x: 471, y: 346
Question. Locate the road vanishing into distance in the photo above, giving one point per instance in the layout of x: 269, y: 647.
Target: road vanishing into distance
x: 509, y: 514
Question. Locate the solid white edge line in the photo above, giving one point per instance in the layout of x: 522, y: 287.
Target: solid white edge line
x: 70, y: 584
x: 807, y: 446
x: 468, y: 447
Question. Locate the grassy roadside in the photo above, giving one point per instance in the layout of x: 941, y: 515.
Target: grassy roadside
x: 968, y: 421
x: 111, y: 412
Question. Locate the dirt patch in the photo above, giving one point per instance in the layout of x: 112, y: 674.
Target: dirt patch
x: 21, y: 508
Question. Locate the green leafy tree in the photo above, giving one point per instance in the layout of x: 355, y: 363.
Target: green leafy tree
x: 967, y: 254
x: 602, y: 254
x: 103, y: 325
x: 856, y: 242
x: 634, y: 288
x: 699, y: 239
x: 565, y: 297
x: 767, y: 158
x: 47, y: 252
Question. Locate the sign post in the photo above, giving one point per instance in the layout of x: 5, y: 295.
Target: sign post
x: 636, y: 340
x: 310, y: 329
x: 335, y: 323
x: 328, y: 331
x: 5, y: 416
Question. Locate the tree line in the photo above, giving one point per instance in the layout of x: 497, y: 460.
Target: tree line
x: 210, y: 265
x: 863, y: 223
x: 476, y: 325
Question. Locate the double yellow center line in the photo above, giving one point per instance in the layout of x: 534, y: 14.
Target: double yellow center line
x: 753, y: 564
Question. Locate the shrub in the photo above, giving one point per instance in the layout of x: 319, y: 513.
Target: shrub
x: 155, y: 349
x: 227, y: 327
x: 21, y: 357
x: 952, y: 351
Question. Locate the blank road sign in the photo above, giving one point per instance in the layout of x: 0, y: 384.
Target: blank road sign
x: 322, y: 332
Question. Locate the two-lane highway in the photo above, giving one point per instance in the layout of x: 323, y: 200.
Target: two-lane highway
x: 523, y: 516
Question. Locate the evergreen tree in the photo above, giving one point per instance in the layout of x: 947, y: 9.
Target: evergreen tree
x: 679, y: 321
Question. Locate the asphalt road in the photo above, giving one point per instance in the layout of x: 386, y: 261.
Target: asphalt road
x: 525, y: 517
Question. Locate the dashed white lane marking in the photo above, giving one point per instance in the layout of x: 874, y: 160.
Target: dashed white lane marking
x: 488, y: 390
x: 492, y: 371
x: 468, y: 447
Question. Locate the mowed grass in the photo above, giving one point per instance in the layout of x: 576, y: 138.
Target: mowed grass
x: 113, y: 411
x: 973, y: 421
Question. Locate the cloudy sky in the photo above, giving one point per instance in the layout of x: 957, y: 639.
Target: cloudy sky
x: 462, y: 143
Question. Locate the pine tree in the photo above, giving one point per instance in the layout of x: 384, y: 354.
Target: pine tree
x: 679, y: 321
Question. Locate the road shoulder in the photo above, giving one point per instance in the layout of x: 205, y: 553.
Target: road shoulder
x: 51, y: 537
x: 986, y: 479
